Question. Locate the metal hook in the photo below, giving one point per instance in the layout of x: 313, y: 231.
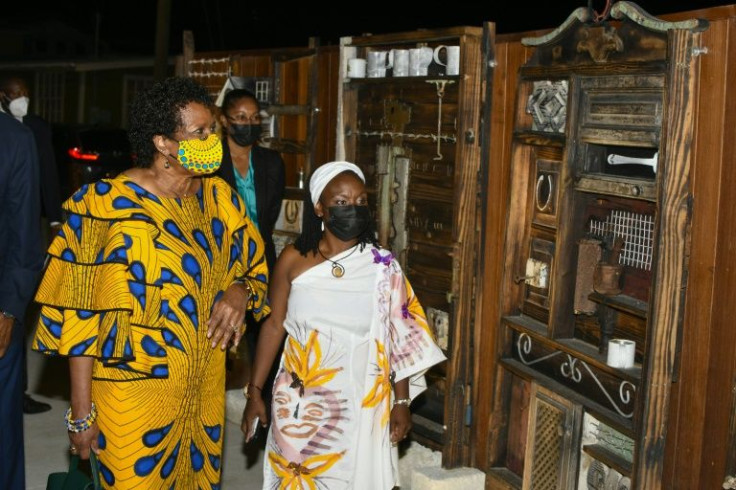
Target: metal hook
x: 440, y: 85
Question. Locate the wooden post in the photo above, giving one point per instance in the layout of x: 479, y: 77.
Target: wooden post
x: 188, y: 52
x: 163, y: 17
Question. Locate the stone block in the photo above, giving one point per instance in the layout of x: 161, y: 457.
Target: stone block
x: 434, y: 478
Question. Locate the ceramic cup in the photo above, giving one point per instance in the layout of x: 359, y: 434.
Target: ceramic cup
x: 348, y: 53
x: 377, y: 64
x: 399, y: 60
x: 356, y: 68
x: 419, y: 60
x: 452, y: 59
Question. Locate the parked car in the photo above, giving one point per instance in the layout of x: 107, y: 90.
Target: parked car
x: 86, y: 154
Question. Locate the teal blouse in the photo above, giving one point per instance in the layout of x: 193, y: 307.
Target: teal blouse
x: 247, y: 190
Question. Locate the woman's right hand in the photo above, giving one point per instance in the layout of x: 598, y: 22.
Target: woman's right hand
x: 81, y: 443
x: 255, y: 408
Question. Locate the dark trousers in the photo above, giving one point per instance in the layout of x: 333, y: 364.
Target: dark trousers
x: 32, y: 314
x: 12, y: 462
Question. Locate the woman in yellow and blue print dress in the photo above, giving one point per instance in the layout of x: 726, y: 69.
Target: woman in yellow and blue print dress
x: 145, y: 286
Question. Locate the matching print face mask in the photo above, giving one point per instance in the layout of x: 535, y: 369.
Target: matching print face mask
x: 201, y: 156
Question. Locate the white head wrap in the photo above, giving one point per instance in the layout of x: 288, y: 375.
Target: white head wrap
x: 325, y: 173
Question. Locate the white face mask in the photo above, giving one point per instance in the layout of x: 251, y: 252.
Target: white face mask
x: 19, y: 107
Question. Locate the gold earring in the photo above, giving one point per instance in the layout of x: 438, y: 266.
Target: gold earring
x: 166, y: 164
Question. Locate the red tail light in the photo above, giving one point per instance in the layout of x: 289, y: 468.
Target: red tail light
x: 78, y: 154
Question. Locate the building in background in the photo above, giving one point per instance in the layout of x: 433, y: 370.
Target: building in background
x: 75, y: 77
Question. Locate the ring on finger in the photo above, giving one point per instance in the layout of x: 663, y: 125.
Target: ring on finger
x: 234, y: 327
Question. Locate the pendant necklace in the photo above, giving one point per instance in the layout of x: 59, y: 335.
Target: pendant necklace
x: 338, y: 270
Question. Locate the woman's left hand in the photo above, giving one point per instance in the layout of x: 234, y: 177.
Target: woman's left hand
x: 228, y: 316
x: 400, y: 423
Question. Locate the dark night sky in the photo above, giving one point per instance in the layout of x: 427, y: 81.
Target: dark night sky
x: 129, y: 26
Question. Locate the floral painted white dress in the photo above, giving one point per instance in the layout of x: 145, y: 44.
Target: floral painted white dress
x: 347, y: 338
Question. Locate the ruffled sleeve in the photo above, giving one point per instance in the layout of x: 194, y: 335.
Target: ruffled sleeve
x: 93, y: 298
x: 413, y: 347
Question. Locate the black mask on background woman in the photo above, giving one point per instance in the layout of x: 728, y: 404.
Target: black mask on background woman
x: 348, y: 222
x: 245, y: 134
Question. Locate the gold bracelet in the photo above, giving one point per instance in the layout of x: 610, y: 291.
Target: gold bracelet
x: 245, y: 390
x: 248, y: 287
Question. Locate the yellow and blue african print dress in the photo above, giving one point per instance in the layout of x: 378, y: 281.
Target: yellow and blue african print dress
x: 131, y: 280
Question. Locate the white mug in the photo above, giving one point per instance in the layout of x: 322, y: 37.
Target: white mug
x: 419, y: 60
x: 348, y: 53
x: 452, y: 59
x: 399, y: 60
x: 377, y: 64
x: 356, y: 68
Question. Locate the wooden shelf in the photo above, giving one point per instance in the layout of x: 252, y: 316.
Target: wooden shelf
x: 609, y: 458
x: 538, y: 138
x: 617, y: 186
x: 397, y: 80
x: 622, y: 303
x: 575, y: 347
x: 441, y: 35
x: 289, y: 109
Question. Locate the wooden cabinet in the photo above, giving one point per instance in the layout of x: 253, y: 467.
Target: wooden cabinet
x: 596, y: 253
x: 416, y: 139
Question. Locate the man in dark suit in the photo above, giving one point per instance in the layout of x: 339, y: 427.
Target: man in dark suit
x: 14, y: 100
x: 13, y: 90
x: 21, y: 259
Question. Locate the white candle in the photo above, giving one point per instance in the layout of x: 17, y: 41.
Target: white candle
x: 621, y: 353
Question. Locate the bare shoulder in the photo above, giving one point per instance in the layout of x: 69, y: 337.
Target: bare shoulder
x: 287, y: 257
x: 292, y: 263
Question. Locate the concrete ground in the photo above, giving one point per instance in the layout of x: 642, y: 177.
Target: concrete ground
x: 47, y: 445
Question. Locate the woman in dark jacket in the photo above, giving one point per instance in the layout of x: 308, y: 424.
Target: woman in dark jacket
x: 256, y: 172
x: 258, y: 175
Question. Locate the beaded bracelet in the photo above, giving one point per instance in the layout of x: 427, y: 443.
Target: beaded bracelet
x: 80, y: 425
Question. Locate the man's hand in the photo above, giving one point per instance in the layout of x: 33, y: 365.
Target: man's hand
x: 6, y: 333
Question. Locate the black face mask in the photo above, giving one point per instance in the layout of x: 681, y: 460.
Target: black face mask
x: 245, y: 134
x: 348, y: 222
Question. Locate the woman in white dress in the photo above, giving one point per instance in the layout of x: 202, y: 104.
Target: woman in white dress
x: 357, y: 346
